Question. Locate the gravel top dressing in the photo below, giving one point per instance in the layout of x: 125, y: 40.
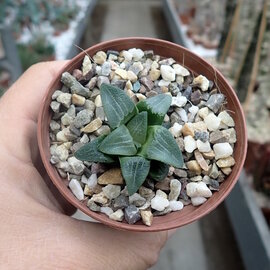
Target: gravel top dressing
x: 138, y: 136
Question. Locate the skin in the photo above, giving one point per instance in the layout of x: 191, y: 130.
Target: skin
x: 35, y: 231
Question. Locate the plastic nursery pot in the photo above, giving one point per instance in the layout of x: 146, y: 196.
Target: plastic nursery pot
x: 198, y: 66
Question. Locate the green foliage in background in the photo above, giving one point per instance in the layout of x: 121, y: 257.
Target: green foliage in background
x: 38, y: 50
x: 138, y: 140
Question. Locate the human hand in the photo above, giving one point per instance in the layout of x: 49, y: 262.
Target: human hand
x: 35, y: 232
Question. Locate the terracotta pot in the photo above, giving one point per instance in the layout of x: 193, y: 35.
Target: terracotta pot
x: 197, y: 66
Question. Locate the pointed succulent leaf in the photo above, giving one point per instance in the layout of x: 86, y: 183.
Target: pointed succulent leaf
x: 156, y: 107
x: 90, y: 152
x: 134, y: 170
x: 137, y: 127
x: 158, y: 170
x: 118, y: 142
x: 161, y: 146
x: 118, y: 107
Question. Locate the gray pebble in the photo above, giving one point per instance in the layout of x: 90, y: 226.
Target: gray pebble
x: 100, y: 113
x: 215, y: 101
x: 93, y: 206
x: 101, y: 80
x: 56, y: 94
x: 132, y: 214
x: 76, y: 88
x: 106, y: 69
x: 147, y: 82
x: 136, y: 86
x: 120, y: 202
x: 54, y: 126
x: 174, y: 89
x: 119, y: 83
x: 55, y: 106
x: 83, y: 118
x: 202, y: 135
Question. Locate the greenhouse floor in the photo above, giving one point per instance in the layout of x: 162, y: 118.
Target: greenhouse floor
x: 208, y: 244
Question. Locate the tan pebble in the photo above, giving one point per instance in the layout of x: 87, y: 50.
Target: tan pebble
x: 209, y: 155
x: 122, y: 73
x: 226, y: 170
x: 78, y: 100
x: 226, y: 162
x: 147, y: 217
x: 140, y: 96
x: 203, y: 112
x: 154, y: 74
x: 188, y: 129
x: 92, y: 126
x: 112, y: 176
x: 194, y: 166
x: 200, y: 159
x: 87, y: 191
x: 132, y: 76
x: 164, y: 89
x: 100, y: 57
x: 129, y: 85
x: 129, y: 93
x: 100, y: 198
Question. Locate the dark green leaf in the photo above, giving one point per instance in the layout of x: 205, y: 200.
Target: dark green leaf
x: 156, y: 107
x: 161, y: 146
x: 134, y: 170
x: 118, y: 142
x: 118, y: 107
x: 137, y: 127
x: 90, y: 152
x: 158, y: 170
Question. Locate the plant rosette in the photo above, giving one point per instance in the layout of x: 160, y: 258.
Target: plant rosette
x: 139, y: 136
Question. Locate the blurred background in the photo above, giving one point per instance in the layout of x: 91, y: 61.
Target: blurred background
x: 234, y: 35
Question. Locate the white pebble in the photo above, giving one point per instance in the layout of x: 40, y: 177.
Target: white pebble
x: 92, y: 181
x: 136, y: 53
x: 167, y: 73
x: 203, y: 147
x: 222, y: 150
x: 190, y: 144
x: 176, y: 130
x: 163, y: 83
x: 159, y: 203
x: 179, y: 101
x: 226, y: 119
x: 76, y: 189
x: 106, y: 210
x: 193, y: 109
x: 176, y: 205
x: 127, y: 55
x: 212, y: 122
x: 180, y: 70
x: 182, y: 113
x: 98, y: 101
x: 196, y: 201
x: 198, y: 189
x: 84, y: 179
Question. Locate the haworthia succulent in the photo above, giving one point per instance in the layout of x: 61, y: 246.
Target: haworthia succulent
x: 137, y: 127
x: 90, y: 152
x: 134, y: 170
x: 118, y: 142
x: 156, y: 108
x: 118, y: 107
x: 161, y: 146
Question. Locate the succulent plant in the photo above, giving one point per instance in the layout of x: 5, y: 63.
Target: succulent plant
x: 138, y: 140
